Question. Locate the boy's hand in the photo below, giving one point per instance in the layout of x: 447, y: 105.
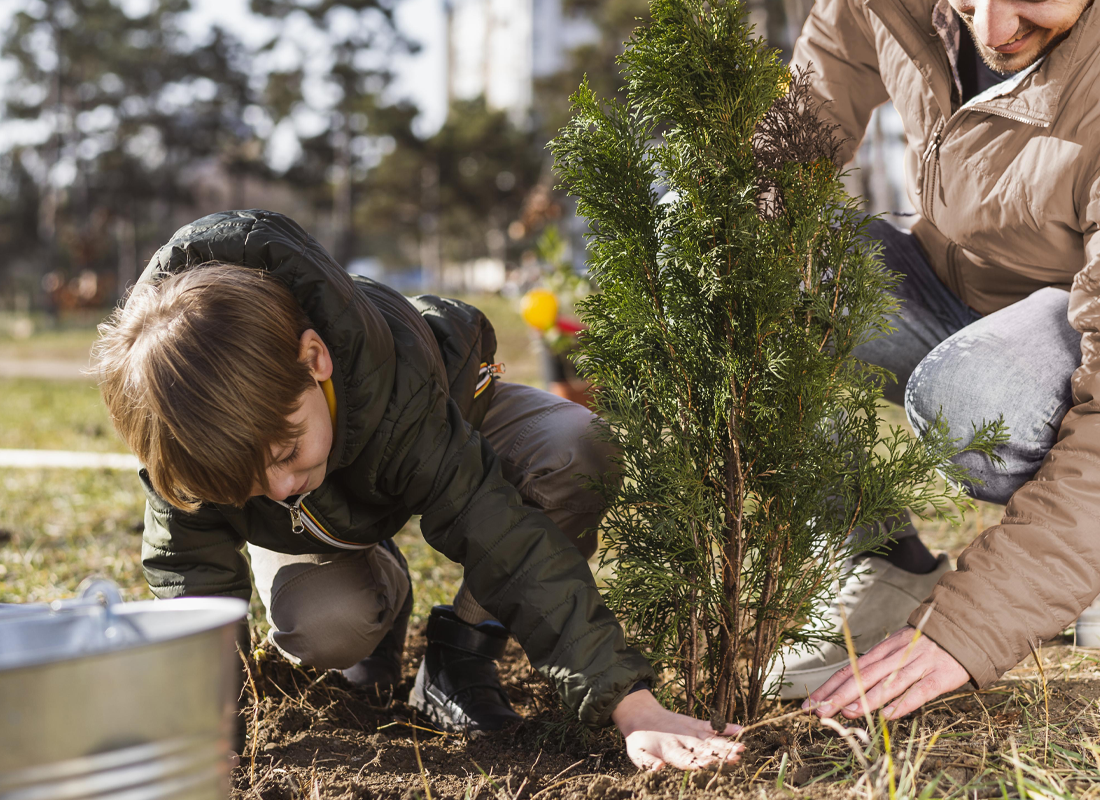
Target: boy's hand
x: 656, y: 736
x: 899, y: 671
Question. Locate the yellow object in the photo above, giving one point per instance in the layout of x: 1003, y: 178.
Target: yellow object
x: 330, y: 398
x: 539, y: 309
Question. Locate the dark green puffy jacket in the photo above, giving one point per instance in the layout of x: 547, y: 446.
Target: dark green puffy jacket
x: 405, y: 443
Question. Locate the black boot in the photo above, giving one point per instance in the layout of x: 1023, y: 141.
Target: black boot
x: 381, y: 670
x: 457, y: 687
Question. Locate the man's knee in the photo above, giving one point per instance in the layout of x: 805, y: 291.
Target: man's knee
x: 333, y: 616
x: 1015, y: 366
x: 933, y: 393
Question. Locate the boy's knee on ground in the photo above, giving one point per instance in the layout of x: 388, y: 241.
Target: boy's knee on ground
x: 333, y: 615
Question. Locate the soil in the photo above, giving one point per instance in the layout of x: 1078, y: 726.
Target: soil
x: 314, y: 736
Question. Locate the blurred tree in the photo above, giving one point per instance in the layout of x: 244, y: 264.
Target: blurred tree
x: 615, y: 20
x: 332, y: 61
x: 113, y: 111
x: 457, y: 195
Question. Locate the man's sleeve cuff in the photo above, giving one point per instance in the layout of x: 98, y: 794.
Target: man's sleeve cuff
x: 952, y: 638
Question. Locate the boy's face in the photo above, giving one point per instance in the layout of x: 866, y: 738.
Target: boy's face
x: 300, y: 466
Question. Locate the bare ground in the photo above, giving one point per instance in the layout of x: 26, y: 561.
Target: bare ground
x: 314, y: 736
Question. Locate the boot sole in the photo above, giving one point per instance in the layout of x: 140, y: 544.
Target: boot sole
x: 420, y: 702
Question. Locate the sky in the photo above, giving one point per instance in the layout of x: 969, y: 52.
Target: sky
x: 420, y: 77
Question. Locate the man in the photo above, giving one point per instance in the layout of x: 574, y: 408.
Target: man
x: 1000, y: 282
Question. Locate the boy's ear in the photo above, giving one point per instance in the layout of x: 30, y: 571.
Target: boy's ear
x: 313, y: 352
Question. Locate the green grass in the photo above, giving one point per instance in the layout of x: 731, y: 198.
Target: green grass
x: 55, y: 415
x: 58, y: 526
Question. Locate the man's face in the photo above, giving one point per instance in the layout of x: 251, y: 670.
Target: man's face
x: 1011, y: 35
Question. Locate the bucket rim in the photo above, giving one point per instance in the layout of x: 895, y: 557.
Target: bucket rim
x: 223, y: 611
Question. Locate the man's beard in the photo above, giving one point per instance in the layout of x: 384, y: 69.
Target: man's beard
x: 1002, y: 63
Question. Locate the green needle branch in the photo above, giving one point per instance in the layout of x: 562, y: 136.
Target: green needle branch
x: 735, y: 286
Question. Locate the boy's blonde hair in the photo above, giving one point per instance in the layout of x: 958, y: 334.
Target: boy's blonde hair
x: 200, y: 373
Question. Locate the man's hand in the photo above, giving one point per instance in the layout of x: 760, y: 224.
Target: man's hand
x: 900, y: 672
x: 656, y: 736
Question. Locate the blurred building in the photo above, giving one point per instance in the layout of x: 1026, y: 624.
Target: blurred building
x: 498, y: 48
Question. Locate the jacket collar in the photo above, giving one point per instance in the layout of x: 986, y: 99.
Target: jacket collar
x: 1035, y: 98
x: 910, y: 23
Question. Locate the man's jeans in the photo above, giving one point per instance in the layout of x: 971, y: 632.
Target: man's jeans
x: 952, y: 361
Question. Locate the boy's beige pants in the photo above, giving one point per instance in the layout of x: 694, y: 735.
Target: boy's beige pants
x: 330, y: 611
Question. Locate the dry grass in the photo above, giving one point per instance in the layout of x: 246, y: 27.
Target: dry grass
x: 1014, y: 739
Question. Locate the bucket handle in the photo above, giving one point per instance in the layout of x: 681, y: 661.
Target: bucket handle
x: 100, y: 590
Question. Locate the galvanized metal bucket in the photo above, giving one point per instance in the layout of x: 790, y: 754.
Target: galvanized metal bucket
x: 130, y: 701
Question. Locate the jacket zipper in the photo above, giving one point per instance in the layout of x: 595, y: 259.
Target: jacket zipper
x: 931, y: 170
x: 997, y: 112
x: 301, y: 521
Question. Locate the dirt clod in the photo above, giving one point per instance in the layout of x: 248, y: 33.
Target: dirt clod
x: 275, y: 786
x: 802, y: 775
x: 601, y: 787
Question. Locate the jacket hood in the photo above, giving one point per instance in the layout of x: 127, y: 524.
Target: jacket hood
x: 354, y: 330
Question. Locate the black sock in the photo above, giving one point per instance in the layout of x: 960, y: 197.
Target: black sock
x: 907, y: 553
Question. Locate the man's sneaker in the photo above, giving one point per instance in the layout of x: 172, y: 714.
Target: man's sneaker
x: 381, y: 670
x: 457, y: 687
x: 877, y: 600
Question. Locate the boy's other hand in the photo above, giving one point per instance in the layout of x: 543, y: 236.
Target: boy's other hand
x: 899, y: 671
x: 656, y: 736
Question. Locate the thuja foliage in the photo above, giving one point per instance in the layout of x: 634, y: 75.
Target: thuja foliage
x: 722, y: 345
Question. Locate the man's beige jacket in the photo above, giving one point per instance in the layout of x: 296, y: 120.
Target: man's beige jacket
x: 1008, y: 189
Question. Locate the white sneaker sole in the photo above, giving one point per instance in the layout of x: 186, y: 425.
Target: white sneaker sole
x: 804, y: 682
x: 1088, y: 633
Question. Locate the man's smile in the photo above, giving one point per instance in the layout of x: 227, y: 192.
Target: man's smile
x: 1017, y: 44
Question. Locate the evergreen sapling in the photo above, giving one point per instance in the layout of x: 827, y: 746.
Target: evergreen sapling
x: 722, y: 348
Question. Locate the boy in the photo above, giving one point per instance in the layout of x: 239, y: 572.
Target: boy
x: 276, y: 401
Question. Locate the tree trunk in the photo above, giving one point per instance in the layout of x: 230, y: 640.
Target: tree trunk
x: 729, y: 684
